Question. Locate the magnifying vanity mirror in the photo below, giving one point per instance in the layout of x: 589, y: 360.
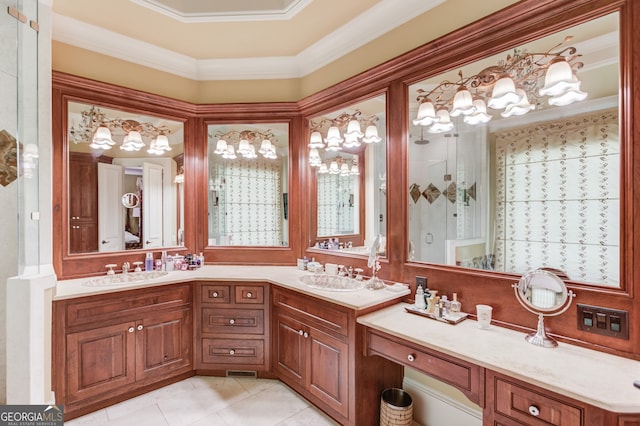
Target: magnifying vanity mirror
x: 543, y: 293
x: 347, y: 158
x: 517, y: 184
x: 122, y: 188
x: 248, y: 184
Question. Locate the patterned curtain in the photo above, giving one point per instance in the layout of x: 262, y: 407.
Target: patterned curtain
x: 558, y: 198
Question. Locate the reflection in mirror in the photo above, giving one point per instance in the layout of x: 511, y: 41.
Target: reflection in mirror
x: 116, y: 158
x: 543, y: 293
x: 529, y: 182
x: 347, y: 155
x: 248, y: 184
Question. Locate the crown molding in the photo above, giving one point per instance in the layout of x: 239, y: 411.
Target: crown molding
x: 282, y: 14
x: 380, y: 19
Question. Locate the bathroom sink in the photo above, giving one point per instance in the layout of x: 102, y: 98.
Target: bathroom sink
x: 131, y: 277
x: 332, y: 282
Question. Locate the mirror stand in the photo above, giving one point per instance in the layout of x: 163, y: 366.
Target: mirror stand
x: 540, y: 337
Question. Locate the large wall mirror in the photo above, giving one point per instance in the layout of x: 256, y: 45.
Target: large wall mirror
x: 347, y: 158
x: 514, y: 160
x: 248, y: 181
x: 125, y: 180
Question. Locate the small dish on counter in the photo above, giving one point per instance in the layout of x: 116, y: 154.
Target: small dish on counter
x: 449, y: 318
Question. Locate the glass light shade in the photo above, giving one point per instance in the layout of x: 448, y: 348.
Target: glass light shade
x: 351, y: 141
x: 179, y: 178
x: 462, y: 103
x: 371, y: 134
x: 102, y: 139
x: 333, y: 137
x: 355, y: 170
x: 521, y: 108
x: 162, y: 143
x: 559, y: 79
x: 344, y: 169
x: 244, y: 147
x: 135, y: 138
x: 265, y: 146
x: 271, y: 154
x: 333, y: 168
x: 30, y: 151
x: 353, y: 129
x: 504, y: 93
x: 323, y: 168
x: 132, y: 142
x: 443, y: 124
x: 333, y: 145
x: 251, y: 153
x: 568, y: 97
x: 315, y: 141
x: 230, y: 153
x: 221, y: 147
x: 314, y: 158
x: 426, y: 114
x: 480, y: 116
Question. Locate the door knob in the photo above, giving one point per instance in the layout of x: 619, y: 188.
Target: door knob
x: 104, y: 241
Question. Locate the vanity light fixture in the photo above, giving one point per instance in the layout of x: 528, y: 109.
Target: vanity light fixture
x: 514, y: 85
x: 338, y: 166
x: 343, y: 132
x: 245, y: 140
x: 99, y: 129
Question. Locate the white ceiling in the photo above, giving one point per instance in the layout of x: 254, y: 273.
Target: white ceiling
x: 208, y: 40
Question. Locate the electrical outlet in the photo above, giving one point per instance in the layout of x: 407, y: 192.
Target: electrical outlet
x: 603, y: 321
x: 421, y: 281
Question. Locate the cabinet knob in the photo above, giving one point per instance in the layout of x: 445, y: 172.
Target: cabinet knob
x: 131, y: 330
x: 249, y: 295
x: 232, y: 321
x: 534, y: 411
x: 411, y: 357
x: 140, y: 327
x: 232, y: 352
x: 214, y: 294
x: 300, y: 332
x: 306, y: 334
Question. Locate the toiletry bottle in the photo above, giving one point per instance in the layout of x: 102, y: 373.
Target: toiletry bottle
x: 163, y: 260
x: 420, y: 304
x: 436, y: 307
x: 200, y: 260
x: 446, y: 305
x: 456, y: 306
x: 148, y: 262
x: 305, y: 263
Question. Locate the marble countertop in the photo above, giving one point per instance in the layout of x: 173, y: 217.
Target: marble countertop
x: 599, y: 379
x: 283, y: 276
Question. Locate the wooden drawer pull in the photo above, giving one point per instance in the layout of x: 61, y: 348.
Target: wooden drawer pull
x: 249, y: 295
x: 411, y: 357
x: 232, y: 352
x: 534, y: 411
x: 214, y: 294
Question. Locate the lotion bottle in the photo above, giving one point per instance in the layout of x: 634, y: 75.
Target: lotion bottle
x: 456, y: 306
x: 420, y: 304
x: 148, y: 262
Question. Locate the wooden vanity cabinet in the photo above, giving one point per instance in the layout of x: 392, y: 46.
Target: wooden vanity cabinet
x: 316, y: 351
x: 232, y: 332
x: 108, y: 348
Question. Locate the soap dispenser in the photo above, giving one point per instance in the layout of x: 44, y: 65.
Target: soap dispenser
x: 420, y: 304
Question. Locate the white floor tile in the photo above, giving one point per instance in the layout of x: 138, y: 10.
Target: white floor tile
x: 212, y: 401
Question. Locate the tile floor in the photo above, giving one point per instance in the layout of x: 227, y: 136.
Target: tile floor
x: 212, y: 401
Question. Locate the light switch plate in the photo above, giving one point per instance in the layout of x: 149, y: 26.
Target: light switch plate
x: 603, y: 321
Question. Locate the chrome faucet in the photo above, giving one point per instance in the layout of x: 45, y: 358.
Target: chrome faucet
x: 125, y: 267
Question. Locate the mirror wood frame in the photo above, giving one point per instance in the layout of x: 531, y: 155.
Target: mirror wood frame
x: 71, y: 88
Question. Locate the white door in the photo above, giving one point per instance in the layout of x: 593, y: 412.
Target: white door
x: 110, y: 208
x: 152, y: 205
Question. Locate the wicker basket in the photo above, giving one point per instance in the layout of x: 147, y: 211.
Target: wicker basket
x: 396, y: 408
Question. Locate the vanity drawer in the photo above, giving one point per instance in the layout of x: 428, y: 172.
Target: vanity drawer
x: 466, y: 377
x: 526, y: 405
x: 215, y: 293
x: 322, y: 315
x: 233, y: 351
x: 236, y: 321
x: 249, y: 294
x: 99, y: 310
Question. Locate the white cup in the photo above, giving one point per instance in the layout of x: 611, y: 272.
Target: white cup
x: 484, y: 316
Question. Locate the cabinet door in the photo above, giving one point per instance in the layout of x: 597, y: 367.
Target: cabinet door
x: 290, y: 349
x: 163, y: 345
x: 328, y: 367
x: 83, y: 237
x: 100, y: 361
